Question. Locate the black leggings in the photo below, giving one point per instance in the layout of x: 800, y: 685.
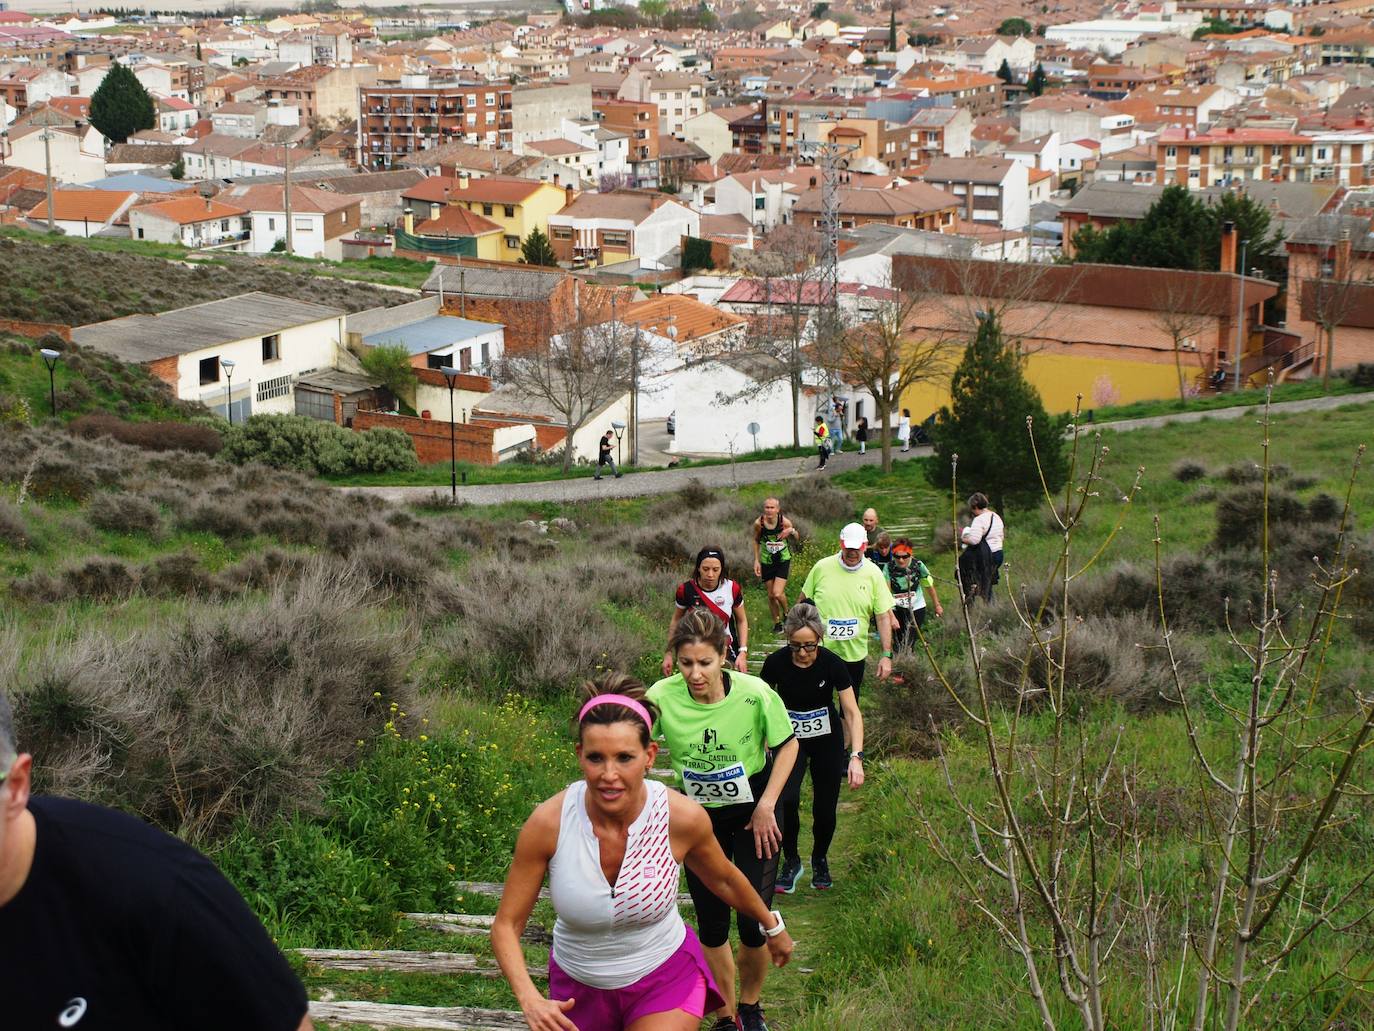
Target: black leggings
x: 737, y: 842
x: 826, y: 758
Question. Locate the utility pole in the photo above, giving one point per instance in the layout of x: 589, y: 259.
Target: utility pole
x: 286, y: 199
x: 634, y: 397
x: 47, y: 173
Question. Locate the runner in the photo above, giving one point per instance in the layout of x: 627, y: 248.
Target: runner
x: 612, y: 845
x: 822, y: 434
x: 909, y: 579
x: 809, y: 678
x: 848, y: 591
x: 881, y: 552
x: 870, y: 524
x: 711, y: 589
x: 719, y: 727
x: 773, y: 556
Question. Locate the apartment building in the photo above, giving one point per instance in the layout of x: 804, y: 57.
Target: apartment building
x: 873, y: 138
x: 1198, y: 160
x: 911, y: 206
x: 940, y: 132
x: 638, y: 121
x: 321, y: 90
x: 990, y: 191
x: 980, y: 94
x: 397, y: 121
x: 677, y: 95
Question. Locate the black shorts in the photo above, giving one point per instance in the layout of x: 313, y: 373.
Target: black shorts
x: 775, y: 570
x: 730, y: 824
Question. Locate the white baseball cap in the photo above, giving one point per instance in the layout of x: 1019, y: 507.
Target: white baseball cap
x: 854, y: 536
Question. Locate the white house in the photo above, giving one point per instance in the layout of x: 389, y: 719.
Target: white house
x: 319, y: 220
x: 78, y: 155
x: 1111, y: 36
x: 992, y: 191
x: 192, y: 222
x: 271, y: 341
x: 764, y: 201
x: 175, y: 115
x: 84, y: 213
x: 439, y: 341
x: 601, y: 228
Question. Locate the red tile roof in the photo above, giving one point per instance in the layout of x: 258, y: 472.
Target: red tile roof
x: 76, y: 205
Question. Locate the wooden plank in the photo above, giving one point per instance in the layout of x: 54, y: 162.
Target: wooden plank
x: 434, y: 1018
x: 489, y: 888
x: 417, y: 962
x: 470, y: 924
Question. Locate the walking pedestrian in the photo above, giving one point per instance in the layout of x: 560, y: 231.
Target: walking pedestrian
x: 837, y: 423
x: 809, y: 679
x: 848, y: 591
x: 904, y: 429
x: 980, y: 563
x: 732, y: 746
x: 710, y: 588
x: 104, y: 915
x: 603, y: 456
x: 773, y: 556
x: 613, y: 845
x: 822, y: 434
x: 861, y: 434
x: 909, y: 579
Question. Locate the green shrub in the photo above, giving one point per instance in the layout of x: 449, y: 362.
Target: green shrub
x: 316, y: 447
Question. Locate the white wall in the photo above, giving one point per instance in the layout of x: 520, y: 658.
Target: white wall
x: 303, y: 349
x: 307, y: 233
x: 72, y: 160
x: 663, y: 230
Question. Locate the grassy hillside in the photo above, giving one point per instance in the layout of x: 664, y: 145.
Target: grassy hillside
x: 74, y: 282
x: 409, y: 722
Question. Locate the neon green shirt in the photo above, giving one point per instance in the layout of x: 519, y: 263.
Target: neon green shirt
x: 847, y: 599
x: 708, y: 740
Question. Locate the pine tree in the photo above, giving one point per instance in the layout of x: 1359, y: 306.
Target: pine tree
x: 121, y: 106
x: 537, y: 250
x: 892, y: 30
x: 1036, y: 86
x: 1004, y: 73
x: 986, y: 427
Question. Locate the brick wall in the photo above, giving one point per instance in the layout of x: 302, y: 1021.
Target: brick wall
x: 165, y: 369
x: 35, y: 330
x: 431, y: 437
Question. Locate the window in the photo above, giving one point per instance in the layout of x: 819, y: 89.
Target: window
x: 491, y: 98
x: 224, y: 225
x: 438, y: 361
x: 271, y: 347
x: 510, y: 210
x: 1249, y: 152
x: 486, y: 209
x: 562, y: 232
x: 486, y: 354
x: 302, y: 225
x: 512, y: 242
x: 1195, y: 151
x: 491, y: 117
x: 140, y: 232
x: 759, y: 203
x: 1170, y: 152
x: 1302, y: 152
x: 209, y: 370
x: 271, y: 225
x: 610, y: 238
x: 472, y: 100
x: 472, y: 118
x: 1321, y: 153
x: 465, y: 360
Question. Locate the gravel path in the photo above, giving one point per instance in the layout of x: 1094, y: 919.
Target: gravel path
x: 633, y: 485
x: 668, y: 480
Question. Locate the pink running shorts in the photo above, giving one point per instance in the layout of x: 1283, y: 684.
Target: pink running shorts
x: 682, y: 982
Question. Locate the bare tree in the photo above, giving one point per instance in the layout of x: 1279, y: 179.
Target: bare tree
x: 1059, y: 863
x: 883, y: 356
x: 1180, y: 312
x: 578, y: 371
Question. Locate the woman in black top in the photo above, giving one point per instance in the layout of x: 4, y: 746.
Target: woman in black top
x: 861, y: 434
x: 808, y: 678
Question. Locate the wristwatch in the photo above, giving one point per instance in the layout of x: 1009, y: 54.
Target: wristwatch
x: 777, y: 928
x: 857, y: 755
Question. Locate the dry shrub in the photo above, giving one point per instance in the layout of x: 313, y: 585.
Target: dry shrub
x: 1243, y: 472
x: 95, y: 579
x: 914, y: 713
x: 266, y: 569
x: 200, y: 438
x: 1186, y: 470
x: 1324, y: 508
x: 537, y: 630
x: 695, y: 494
x: 124, y: 513
x: 223, y: 517
x: 1108, y: 658
x: 176, y: 576
x: 53, y: 477
x: 1241, y: 511
x: 818, y: 500
x: 663, y: 550
x: 220, y: 714
x: 13, y: 530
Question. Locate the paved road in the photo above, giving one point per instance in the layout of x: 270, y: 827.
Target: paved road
x: 634, y: 485
x: 669, y: 480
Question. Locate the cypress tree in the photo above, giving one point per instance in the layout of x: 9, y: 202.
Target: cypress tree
x: 1004, y: 73
x: 537, y: 250
x: 121, y: 106
x: 985, y: 425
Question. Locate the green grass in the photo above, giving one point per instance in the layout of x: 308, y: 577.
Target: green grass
x: 1297, y: 391
x: 102, y: 387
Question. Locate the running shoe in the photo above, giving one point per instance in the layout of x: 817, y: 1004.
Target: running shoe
x: 725, y: 1024
x: 787, y: 877
x: 820, y: 875
x: 751, y: 1017
x: 777, y: 627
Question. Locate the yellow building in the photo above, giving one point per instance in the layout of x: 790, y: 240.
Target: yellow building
x: 515, y: 206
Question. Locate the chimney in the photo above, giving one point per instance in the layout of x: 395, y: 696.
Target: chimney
x: 462, y: 180
x: 569, y: 193
x: 1228, y: 247
x: 1342, y: 270
x: 434, y: 210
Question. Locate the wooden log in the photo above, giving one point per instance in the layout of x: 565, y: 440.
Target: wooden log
x: 471, y: 924
x: 435, y: 1018
x: 417, y: 962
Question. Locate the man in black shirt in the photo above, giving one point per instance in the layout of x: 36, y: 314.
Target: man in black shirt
x: 603, y: 456
x: 108, y: 924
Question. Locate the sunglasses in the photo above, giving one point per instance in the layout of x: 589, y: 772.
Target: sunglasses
x: 808, y: 646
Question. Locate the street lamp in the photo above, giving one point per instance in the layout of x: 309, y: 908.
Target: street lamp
x: 619, y: 428
x: 50, y: 360
x: 451, y: 375
x: 228, y: 366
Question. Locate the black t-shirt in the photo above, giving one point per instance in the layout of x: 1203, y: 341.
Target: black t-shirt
x: 120, y: 927
x: 604, y: 451
x: 809, y: 689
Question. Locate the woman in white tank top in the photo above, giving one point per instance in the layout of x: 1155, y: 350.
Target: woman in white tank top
x: 612, y: 846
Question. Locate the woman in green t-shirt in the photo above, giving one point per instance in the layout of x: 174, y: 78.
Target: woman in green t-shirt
x: 719, y: 726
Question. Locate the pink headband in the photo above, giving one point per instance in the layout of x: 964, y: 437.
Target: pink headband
x: 616, y: 699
